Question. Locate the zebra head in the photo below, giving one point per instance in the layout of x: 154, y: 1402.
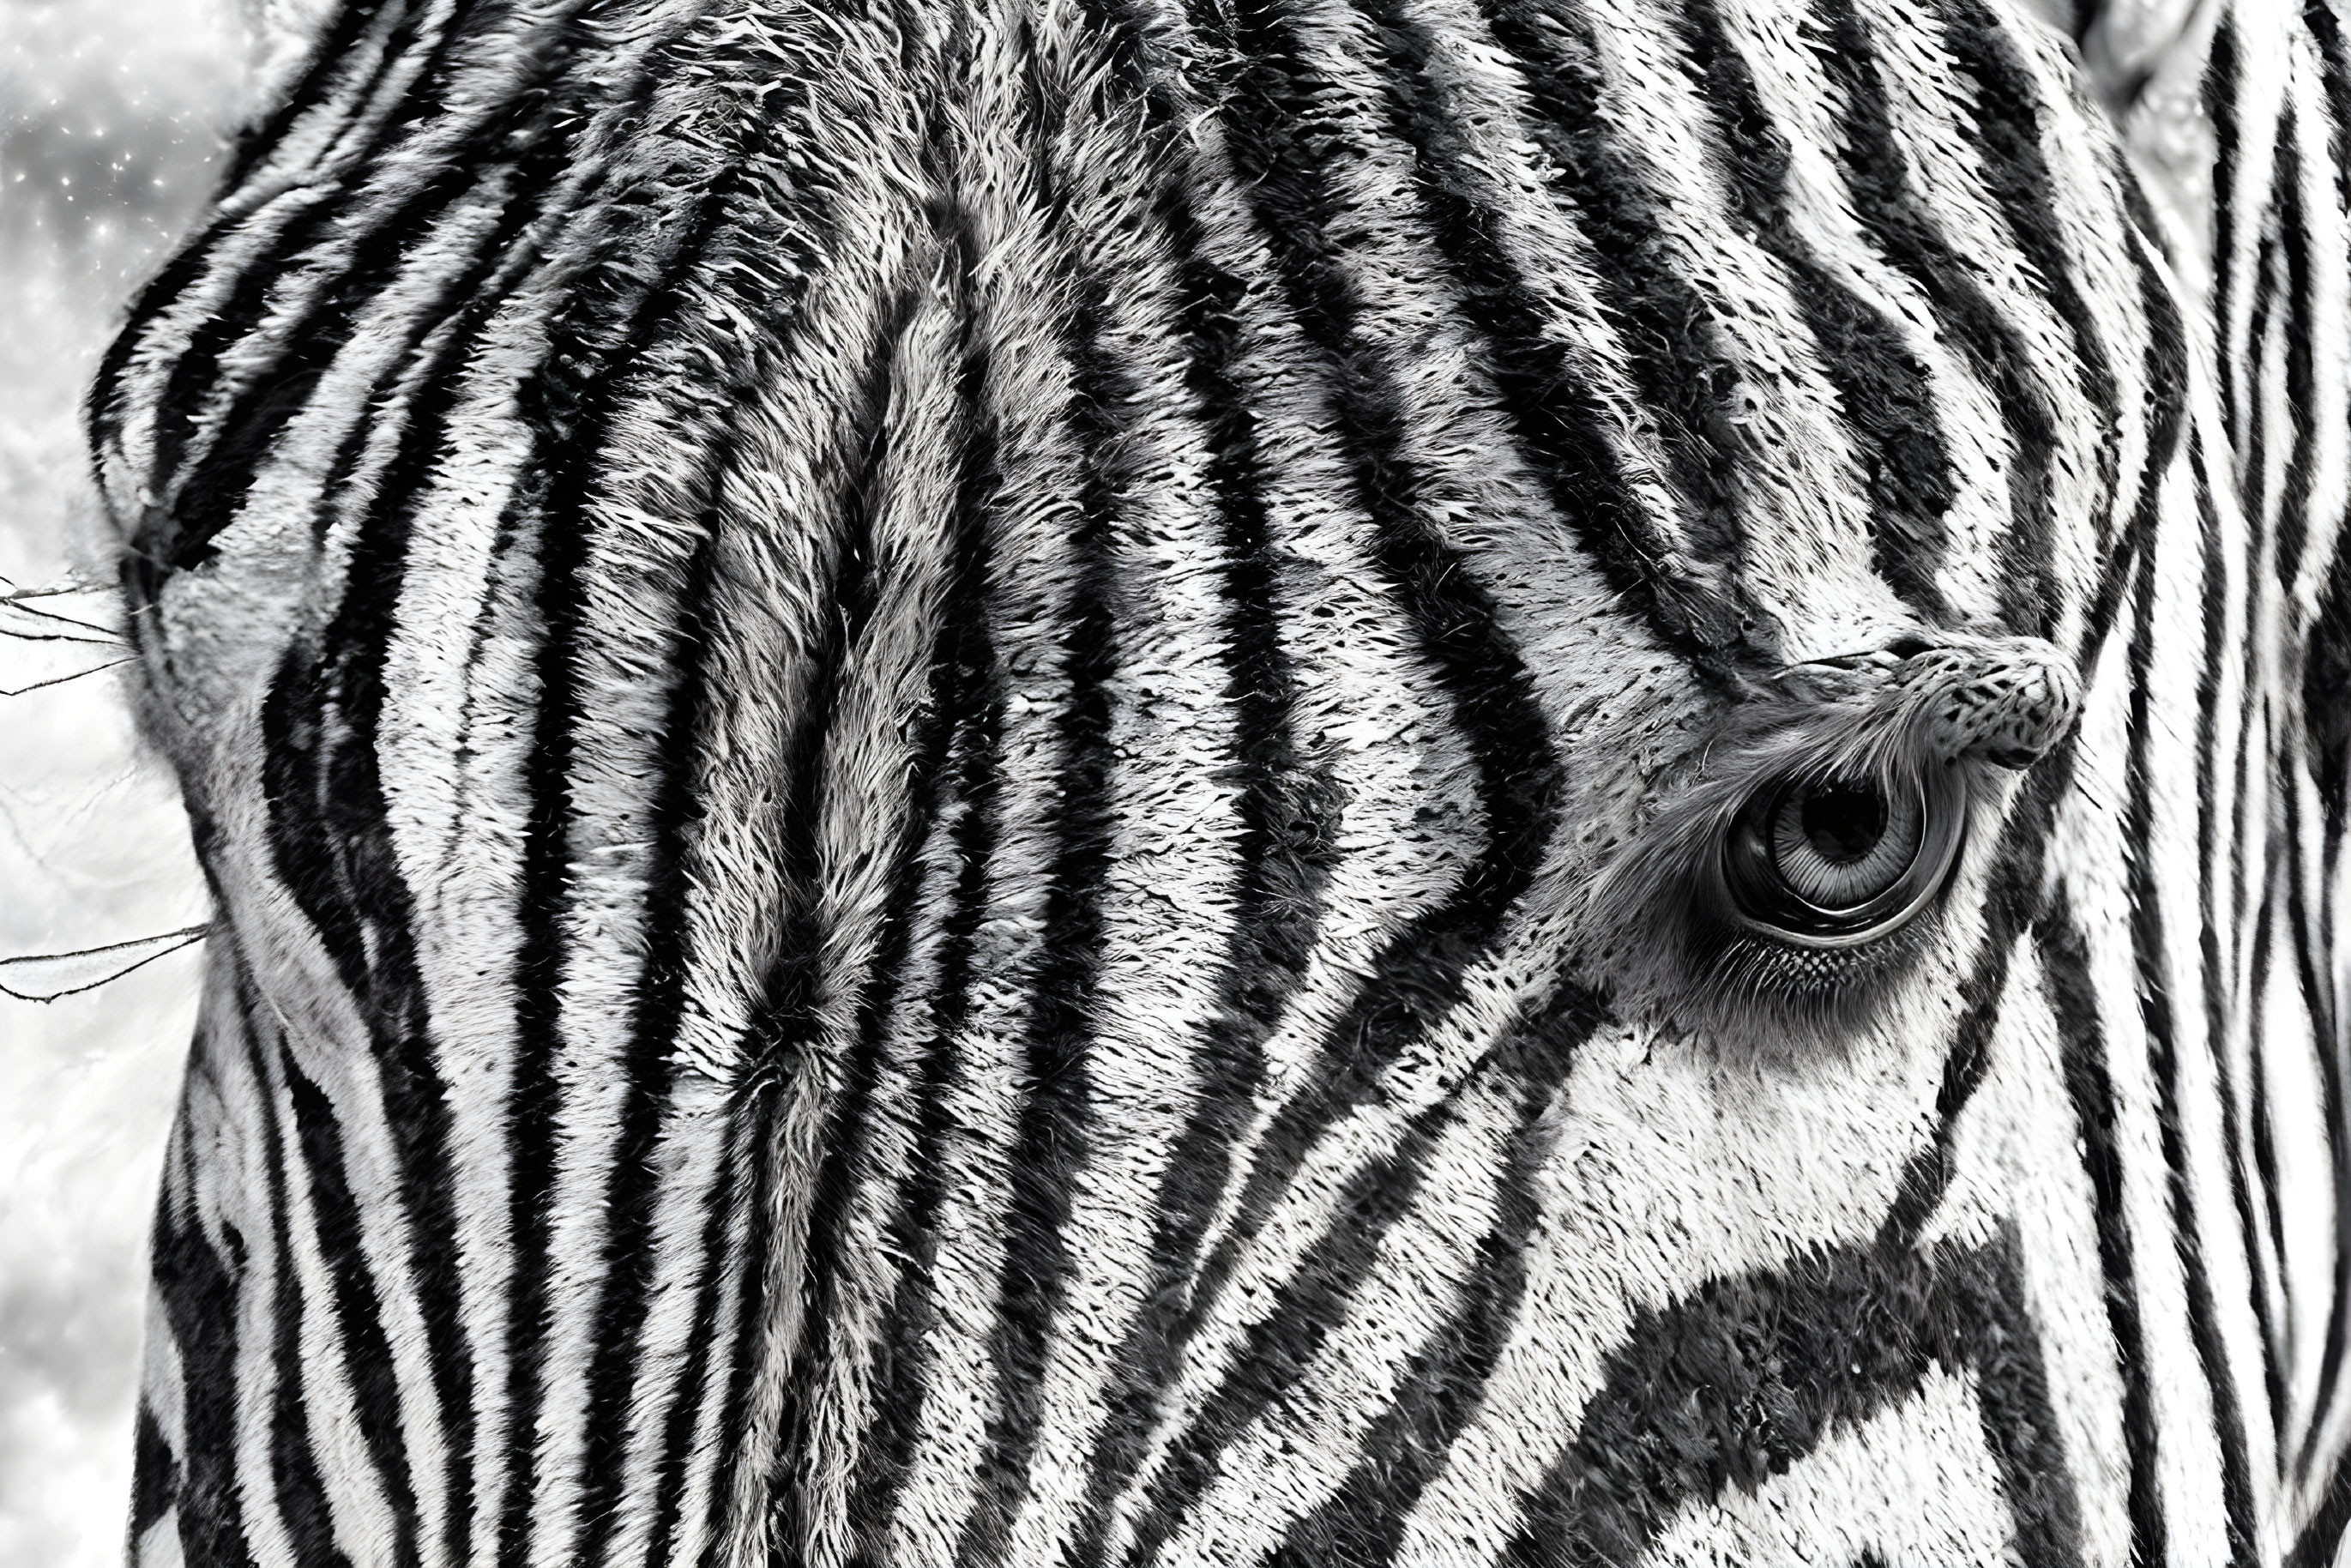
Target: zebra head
x: 1318, y: 782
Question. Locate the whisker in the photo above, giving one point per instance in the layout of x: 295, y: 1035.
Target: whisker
x: 159, y: 946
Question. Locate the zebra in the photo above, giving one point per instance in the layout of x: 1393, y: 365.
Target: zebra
x: 1272, y: 783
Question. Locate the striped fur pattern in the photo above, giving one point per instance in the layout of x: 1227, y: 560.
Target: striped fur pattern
x: 961, y: 764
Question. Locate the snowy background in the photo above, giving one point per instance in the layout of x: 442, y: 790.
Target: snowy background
x: 111, y: 118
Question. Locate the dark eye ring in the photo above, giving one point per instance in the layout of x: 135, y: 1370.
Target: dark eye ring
x: 1841, y: 861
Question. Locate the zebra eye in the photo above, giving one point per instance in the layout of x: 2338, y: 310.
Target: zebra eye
x: 1841, y: 860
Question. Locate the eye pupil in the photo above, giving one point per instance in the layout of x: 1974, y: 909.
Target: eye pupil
x: 1843, y: 822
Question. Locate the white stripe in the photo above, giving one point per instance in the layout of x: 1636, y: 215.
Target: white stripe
x: 2017, y: 1166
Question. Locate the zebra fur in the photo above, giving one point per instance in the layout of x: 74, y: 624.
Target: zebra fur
x: 959, y: 765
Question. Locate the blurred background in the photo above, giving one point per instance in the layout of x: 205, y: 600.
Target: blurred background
x: 112, y: 117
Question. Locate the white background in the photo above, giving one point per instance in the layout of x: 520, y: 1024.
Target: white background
x: 111, y: 115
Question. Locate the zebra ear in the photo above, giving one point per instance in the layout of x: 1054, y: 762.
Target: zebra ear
x: 1799, y: 867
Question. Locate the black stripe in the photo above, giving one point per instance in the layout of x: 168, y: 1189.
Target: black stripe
x: 2074, y: 1001
x: 528, y: 125
x: 331, y: 841
x: 2256, y: 550
x: 154, y: 1476
x: 367, y: 1365
x: 1444, y: 1382
x: 2013, y: 898
x: 294, y: 1483
x: 199, y: 1289
x: 2249, y: 964
x: 381, y: 241
x: 2297, y: 325
x: 358, y: 97
x: 1419, y: 975
x: 1288, y: 807
x: 102, y: 405
x: 2326, y: 712
x: 331, y: 848
x: 2253, y: 452
x: 207, y: 498
x: 2220, y: 88
x: 2154, y: 1005
x: 1896, y: 216
x: 2010, y: 113
x: 1745, y: 1375
x: 570, y: 401
x: 1887, y: 404
x: 2264, y: 1135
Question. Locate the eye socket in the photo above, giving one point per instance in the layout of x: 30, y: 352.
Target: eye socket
x: 1838, y: 862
